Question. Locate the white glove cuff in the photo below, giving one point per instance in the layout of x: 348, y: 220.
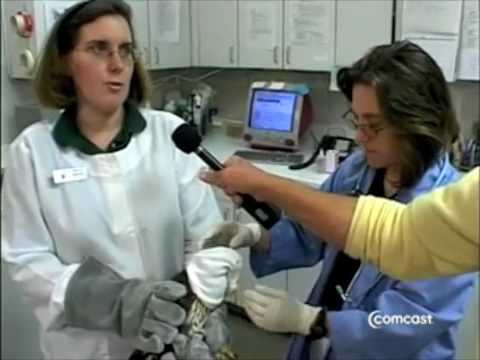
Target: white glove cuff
x: 213, y: 273
x: 256, y: 232
x: 308, y: 316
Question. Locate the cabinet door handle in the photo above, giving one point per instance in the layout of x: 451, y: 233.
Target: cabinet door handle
x: 231, y: 54
x: 275, y: 54
x: 146, y: 55
x: 157, y: 55
x: 288, y: 54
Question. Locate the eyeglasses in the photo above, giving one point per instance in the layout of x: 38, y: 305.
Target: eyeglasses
x: 103, y: 51
x: 371, y: 131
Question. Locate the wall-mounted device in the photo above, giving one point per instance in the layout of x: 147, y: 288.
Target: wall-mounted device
x: 343, y: 145
x: 277, y: 116
x: 27, y: 24
x: 22, y: 21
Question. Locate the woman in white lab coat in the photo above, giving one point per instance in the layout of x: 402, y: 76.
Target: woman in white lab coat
x: 99, y: 209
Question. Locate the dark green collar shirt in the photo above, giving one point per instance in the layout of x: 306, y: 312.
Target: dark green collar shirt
x: 67, y: 134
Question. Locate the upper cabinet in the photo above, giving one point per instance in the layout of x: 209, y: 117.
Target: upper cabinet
x: 312, y: 35
x: 214, y: 33
x: 267, y: 34
x: 361, y: 24
x: 309, y: 42
x: 140, y: 26
x: 440, y: 35
x: 260, y: 34
x: 163, y: 32
x: 170, y: 40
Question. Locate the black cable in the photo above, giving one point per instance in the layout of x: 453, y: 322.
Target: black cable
x: 310, y: 161
x: 313, y: 157
x: 328, y: 142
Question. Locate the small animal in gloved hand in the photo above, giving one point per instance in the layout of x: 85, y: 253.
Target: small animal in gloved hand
x: 205, y: 334
x: 205, y: 325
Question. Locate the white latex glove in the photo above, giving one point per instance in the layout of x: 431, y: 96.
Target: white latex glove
x: 233, y: 235
x: 273, y: 310
x: 213, y: 274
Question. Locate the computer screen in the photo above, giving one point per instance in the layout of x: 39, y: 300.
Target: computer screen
x: 272, y: 110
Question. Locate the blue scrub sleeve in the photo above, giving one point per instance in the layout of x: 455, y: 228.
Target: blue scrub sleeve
x: 444, y: 299
x: 293, y: 246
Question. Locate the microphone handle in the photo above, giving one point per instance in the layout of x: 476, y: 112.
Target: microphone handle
x: 262, y: 212
x: 209, y: 159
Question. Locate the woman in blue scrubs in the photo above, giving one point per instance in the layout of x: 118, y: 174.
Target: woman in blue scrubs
x: 405, y: 124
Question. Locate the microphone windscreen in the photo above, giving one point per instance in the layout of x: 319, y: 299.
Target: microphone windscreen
x: 186, y: 138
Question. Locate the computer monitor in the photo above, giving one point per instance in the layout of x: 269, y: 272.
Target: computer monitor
x: 277, y: 115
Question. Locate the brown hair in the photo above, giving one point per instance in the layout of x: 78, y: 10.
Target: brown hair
x: 414, y: 98
x: 56, y: 89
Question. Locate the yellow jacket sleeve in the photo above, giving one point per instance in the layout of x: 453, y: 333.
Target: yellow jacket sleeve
x: 436, y: 234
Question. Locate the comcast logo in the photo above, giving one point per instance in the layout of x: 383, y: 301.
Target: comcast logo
x: 377, y: 319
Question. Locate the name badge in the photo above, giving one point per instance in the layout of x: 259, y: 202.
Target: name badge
x: 62, y: 176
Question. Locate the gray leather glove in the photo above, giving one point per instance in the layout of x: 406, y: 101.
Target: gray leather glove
x: 97, y: 298
x: 183, y: 348
x: 190, y: 348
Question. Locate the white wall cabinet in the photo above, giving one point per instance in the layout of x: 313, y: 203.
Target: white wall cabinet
x: 170, y: 34
x: 361, y: 24
x: 436, y: 27
x: 267, y: 34
x: 309, y: 27
x: 140, y: 26
x: 214, y: 33
x: 260, y: 34
x: 163, y: 32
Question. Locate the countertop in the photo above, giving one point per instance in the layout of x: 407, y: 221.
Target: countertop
x: 223, y: 146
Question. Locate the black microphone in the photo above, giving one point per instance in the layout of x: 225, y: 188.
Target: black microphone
x: 187, y: 139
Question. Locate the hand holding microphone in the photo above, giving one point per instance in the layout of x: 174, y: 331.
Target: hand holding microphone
x: 239, y: 176
x: 187, y: 139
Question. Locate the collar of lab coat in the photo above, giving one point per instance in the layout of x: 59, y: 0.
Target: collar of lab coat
x: 66, y: 133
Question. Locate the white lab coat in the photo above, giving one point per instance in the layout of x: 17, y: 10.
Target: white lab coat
x: 141, y: 210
